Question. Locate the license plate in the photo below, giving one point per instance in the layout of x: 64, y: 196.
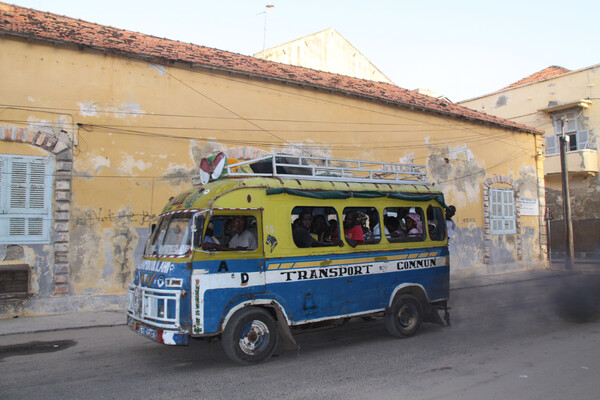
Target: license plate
x: 144, y: 331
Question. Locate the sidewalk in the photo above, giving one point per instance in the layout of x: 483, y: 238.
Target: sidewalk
x: 80, y: 320
x: 59, y: 322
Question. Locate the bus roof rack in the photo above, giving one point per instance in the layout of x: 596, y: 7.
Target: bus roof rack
x: 329, y: 169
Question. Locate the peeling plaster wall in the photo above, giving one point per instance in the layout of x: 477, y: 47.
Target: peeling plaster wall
x: 140, y: 134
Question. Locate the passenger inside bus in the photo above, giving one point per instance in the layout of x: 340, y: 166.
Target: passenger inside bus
x: 372, y: 233
x: 404, y: 224
x: 209, y: 236
x: 414, y: 226
x: 242, y: 239
x: 436, y: 223
x: 301, y: 229
x: 320, y: 228
x: 353, y: 227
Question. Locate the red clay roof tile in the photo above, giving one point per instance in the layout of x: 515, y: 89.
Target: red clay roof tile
x: 29, y: 23
x: 550, y: 72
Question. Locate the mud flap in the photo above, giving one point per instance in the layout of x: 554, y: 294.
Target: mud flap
x: 434, y: 316
x: 288, y: 341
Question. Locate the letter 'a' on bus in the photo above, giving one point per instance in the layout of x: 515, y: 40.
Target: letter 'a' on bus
x: 269, y: 247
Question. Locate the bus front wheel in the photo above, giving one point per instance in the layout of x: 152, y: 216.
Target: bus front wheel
x: 404, y: 317
x: 250, y: 336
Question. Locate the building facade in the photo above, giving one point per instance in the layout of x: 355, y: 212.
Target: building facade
x: 557, y: 100
x: 100, y: 126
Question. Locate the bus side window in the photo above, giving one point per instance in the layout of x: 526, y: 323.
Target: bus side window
x: 361, y: 225
x: 436, y: 223
x: 231, y: 232
x: 404, y: 224
x: 314, y: 226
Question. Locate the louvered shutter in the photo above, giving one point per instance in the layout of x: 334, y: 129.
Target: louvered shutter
x: 551, y: 146
x: 26, y: 190
x: 502, y: 211
x: 582, y: 140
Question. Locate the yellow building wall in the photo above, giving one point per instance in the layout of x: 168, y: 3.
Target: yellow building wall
x: 139, y: 130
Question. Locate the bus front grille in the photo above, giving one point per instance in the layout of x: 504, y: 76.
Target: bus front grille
x: 157, y: 307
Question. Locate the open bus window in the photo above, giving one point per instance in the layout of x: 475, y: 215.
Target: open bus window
x: 172, y: 236
x: 436, y: 223
x: 361, y: 225
x: 231, y: 232
x: 404, y: 224
x: 315, y: 227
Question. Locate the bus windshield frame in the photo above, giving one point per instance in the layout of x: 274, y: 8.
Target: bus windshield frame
x: 172, y: 235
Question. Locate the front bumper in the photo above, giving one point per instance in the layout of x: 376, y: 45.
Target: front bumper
x: 155, y: 314
x: 170, y: 337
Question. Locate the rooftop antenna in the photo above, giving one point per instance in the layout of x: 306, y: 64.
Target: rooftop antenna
x: 265, y: 28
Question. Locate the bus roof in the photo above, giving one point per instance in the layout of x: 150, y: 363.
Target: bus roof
x: 206, y: 196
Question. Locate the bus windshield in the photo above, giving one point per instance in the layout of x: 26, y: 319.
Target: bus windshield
x: 173, y: 235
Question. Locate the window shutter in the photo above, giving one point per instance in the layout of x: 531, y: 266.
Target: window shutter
x: 18, y: 185
x: 502, y: 211
x: 571, y: 123
x: 582, y: 140
x: 25, y: 197
x: 551, y: 144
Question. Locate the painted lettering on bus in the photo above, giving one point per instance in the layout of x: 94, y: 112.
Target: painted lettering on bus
x: 162, y: 266
x: 331, y: 272
x: 416, y: 264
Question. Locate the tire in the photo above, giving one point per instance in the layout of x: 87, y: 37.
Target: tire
x: 404, y: 317
x: 250, y: 336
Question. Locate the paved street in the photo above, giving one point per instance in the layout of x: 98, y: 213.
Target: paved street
x: 538, y: 338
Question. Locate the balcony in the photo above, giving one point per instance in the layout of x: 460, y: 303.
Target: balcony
x: 579, y: 162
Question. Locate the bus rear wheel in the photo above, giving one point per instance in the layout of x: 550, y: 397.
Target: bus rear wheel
x: 404, y: 317
x: 250, y: 336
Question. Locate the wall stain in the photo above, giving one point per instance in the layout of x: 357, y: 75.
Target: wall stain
x: 456, y: 171
x: 85, y: 257
x: 123, y: 239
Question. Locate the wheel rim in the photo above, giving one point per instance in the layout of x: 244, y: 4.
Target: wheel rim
x: 254, y: 337
x: 408, y: 316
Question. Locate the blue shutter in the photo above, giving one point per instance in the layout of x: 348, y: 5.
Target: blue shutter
x: 25, y: 199
x: 502, y: 211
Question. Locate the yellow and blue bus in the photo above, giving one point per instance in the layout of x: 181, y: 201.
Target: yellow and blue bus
x: 278, y: 244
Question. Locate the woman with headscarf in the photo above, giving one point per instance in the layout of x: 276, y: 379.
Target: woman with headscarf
x: 414, y: 226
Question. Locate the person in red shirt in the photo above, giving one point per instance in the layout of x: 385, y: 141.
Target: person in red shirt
x: 353, y: 231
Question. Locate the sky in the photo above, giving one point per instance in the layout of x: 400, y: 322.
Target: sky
x: 459, y: 49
